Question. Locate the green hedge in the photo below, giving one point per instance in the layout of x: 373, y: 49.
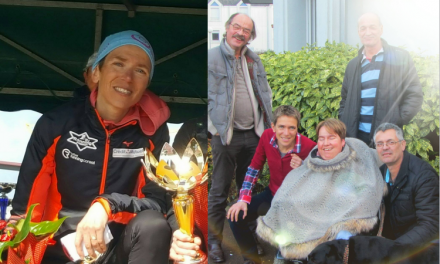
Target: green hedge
x: 311, y: 80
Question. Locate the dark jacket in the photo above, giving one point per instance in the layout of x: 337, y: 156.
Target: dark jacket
x: 412, y: 203
x: 398, y: 96
x: 71, y: 158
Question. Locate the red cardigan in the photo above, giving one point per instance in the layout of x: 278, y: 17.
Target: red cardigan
x: 278, y: 167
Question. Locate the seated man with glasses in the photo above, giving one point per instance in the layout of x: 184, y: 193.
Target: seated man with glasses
x: 412, y: 202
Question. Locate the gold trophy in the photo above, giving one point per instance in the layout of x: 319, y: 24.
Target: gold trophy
x: 180, y: 175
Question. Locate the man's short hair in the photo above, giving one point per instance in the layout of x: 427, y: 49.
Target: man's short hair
x: 286, y: 110
x: 374, y: 14
x: 90, y: 61
x: 334, y: 124
x: 386, y: 126
x: 253, y: 32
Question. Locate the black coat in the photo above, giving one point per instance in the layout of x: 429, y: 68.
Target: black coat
x: 412, y: 203
x: 398, y: 96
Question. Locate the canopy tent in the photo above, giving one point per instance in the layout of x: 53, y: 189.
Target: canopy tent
x: 44, y: 46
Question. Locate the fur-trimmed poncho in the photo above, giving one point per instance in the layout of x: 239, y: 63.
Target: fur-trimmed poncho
x: 323, y: 197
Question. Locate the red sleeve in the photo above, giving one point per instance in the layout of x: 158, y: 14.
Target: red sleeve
x: 260, y: 153
x: 306, y: 146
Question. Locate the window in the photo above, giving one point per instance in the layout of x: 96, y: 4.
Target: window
x: 215, y: 12
x: 215, y: 35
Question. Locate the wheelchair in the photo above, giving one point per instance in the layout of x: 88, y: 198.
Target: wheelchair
x: 375, y: 231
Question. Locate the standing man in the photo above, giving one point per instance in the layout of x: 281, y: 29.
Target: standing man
x: 412, y: 214
x: 239, y: 109
x: 380, y: 84
x: 284, y: 148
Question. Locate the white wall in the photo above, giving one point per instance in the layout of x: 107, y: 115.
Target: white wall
x: 413, y: 24
x: 289, y: 25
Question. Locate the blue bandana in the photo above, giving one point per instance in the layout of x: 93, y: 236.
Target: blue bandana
x: 123, y: 38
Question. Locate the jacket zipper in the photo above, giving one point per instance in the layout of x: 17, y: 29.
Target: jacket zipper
x: 106, y: 155
x: 232, y: 113
x: 104, y: 166
x: 107, y: 148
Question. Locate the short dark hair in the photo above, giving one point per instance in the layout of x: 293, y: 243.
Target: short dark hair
x: 286, y: 110
x: 253, y: 32
x: 334, y: 124
x: 386, y: 126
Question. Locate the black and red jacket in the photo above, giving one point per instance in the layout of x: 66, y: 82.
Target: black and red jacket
x: 71, y: 158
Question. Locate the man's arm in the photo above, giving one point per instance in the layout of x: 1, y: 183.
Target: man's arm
x: 155, y: 199
x: 253, y: 171
x: 36, y: 170
x: 344, y: 91
x: 412, y: 95
x: 426, y: 203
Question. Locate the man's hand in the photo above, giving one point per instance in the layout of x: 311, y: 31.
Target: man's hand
x: 91, y: 231
x: 295, y: 162
x: 184, y: 245
x: 235, y: 210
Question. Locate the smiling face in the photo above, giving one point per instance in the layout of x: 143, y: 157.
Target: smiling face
x: 238, y: 38
x: 122, y: 80
x: 285, y: 131
x: 390, y: 155
x: 329, y: 143
x: 370, y: 30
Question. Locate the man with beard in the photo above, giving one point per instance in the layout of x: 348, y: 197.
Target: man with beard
x: 239, y: 109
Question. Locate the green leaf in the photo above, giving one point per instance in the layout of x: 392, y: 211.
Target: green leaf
x: 410, y: 129
x: 432, y: 126
x: 22, y: 234
x: 424, y: 132
x: 424, y: 155
x: 46, y: 227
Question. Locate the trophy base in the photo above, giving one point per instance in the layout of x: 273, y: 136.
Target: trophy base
x: 202, y: 258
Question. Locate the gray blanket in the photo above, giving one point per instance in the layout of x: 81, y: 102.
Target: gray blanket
x: 323, y: 197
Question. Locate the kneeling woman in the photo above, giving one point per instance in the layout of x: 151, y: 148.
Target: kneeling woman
x: 339, y: 188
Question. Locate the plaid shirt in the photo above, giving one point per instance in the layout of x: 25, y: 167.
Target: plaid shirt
x: 252, y: 173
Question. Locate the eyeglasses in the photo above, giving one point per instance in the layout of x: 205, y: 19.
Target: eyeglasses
x: 388, y: 143
x: 237, y: 27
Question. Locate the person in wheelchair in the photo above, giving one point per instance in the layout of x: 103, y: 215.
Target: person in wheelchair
x: 335, y: 194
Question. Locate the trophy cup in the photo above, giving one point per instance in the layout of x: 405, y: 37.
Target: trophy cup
x: 180, y: 175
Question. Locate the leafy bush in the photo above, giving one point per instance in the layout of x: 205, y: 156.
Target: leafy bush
x: 311, y: 80
x: 427, y: 120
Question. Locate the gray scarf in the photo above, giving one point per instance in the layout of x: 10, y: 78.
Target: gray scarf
x: 323, y: 197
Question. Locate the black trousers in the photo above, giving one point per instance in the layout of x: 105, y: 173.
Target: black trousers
x: 235, y: 157
x: 259, y: 206
x: 146, y: 239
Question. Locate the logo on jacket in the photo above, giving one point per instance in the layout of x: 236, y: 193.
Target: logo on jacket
x: 82, y: 141
x: 67, y: 154
x: 127, y: 143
